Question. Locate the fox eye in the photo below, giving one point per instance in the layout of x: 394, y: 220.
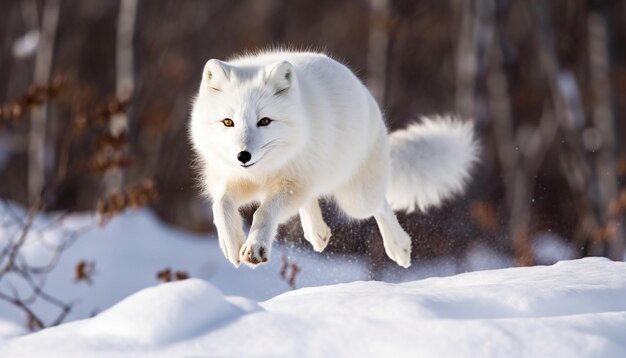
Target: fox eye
x: 228, y: 122
x: 263, y: 122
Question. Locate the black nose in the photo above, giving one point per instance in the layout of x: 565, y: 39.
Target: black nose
x: 244, y: 157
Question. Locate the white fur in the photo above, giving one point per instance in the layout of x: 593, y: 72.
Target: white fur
x: 430, y: 162
x: 327, y: 138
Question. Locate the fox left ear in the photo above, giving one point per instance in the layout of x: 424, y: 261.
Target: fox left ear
x: 216, y: 73
x: 279, y: 76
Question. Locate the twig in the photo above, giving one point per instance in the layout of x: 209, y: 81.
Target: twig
x: 35, y: 207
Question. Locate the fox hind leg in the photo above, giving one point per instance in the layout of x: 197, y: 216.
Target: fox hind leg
x: 364, y: 196
x: 396, y: 241
x: 316, y: 231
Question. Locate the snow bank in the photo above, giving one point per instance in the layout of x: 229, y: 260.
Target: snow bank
x: 163, y: 314
x: 573, y: 308
x: 9, y: 330
x: 128, y: 253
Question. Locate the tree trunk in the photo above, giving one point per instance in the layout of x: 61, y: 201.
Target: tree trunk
x: 124, y: 82
x: 38, y: 118
x: 377, y: 46
x: 604, y: 129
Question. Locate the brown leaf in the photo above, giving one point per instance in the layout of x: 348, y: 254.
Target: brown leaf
x: 165, y: 275
x: 181, y: 275
x: 84, y: 271
x: 484, y: 213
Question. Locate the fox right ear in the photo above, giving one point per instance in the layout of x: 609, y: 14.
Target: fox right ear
x: 216, y: 73
x: 279, y: 76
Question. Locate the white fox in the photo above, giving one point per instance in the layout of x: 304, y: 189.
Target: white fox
x: 287, y: 128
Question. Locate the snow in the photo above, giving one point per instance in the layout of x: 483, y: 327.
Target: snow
x: 9, y: 330
x: 549, y: 248
x: 26, y: 45
x: 132, y: 248
x: 573, y: 308
x: 146, y: 317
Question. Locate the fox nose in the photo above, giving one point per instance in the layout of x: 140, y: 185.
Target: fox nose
x: 244, y: 157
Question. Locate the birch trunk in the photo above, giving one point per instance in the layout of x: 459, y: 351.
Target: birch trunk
x: 377, y: 45
x: 125, y: 82
x: 38, y: 118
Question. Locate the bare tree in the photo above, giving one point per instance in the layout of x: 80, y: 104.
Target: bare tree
x: 568, y: 110
x: 466, y: 57
x: 125, y: 83
x: 601, y: 137
x: 125, y: 77
x: 520, y: 152
x: 377, y: 45
x: 38, y: 119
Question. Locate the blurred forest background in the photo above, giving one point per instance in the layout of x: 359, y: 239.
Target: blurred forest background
x: 95, y: 98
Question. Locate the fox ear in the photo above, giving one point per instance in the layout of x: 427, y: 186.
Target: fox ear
x: 216, y: 73
x: 280, y: 76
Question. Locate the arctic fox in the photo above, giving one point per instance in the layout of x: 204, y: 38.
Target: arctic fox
x: 287, y: 128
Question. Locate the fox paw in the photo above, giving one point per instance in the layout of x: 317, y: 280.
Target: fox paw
x: 231, y: 249
x: 399, y: 250
x: 254, y: 253
x: 318, y: 238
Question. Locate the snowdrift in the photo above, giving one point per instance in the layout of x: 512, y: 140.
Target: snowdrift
x: 571, y: 309
x: 128, y: 253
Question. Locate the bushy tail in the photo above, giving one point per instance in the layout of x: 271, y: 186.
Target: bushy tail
x: 430, y: 162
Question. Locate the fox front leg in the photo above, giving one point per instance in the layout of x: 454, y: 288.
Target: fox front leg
x: 315, y: 229
x: 276, y: 208
x: 228, y: 223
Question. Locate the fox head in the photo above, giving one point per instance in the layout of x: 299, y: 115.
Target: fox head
x: 247, y: 119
